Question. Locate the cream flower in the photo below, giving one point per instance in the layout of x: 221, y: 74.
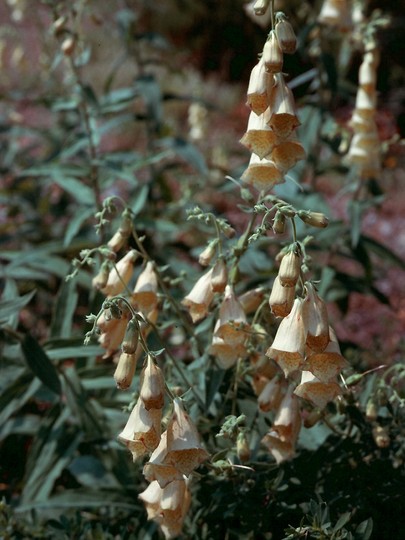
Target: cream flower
x: 145, y: 291
x: 199, y: 298
x: 179, y: 451
x: 152, y: 386
x: 288, y: 347
x: 142, y: 431
x: 317, y: 392
x: 282, y: 438
x: 167, y: 506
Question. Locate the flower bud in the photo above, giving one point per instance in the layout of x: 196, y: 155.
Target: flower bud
x: 316, y: 219
x: 261, y: 6
x: 381, y: 436
x: 286, y: 35
x: 68, y: 46
x: 117, y: 242
x: 242, y: 447
x: 371, y: 410
x: 219, y: 276
x: 279, y: 223
x: 152, y: 386
x: 59, y: 25
x: 125, y: 370
x: 272, y: 54
x: 207, y: 255
x: 228, y: 231
x: 130, y: 341
x: 289, y: 271
x: 100, y: 280
x: 120, y: 275
x: 281, y: 299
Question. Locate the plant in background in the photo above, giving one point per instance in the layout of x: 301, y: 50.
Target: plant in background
x: 209, y: 342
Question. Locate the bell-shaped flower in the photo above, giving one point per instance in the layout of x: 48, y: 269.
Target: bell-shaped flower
x: 272, y: 54
x: 119, y: 276
x: 251, y: 300
x: 317, y: 392
x: 219, y: 276
x: 179, y: 451
x: 152, y: 385
x: 167, y: 506
x: 288, y: 347
x: 145, y: 292
x: 226, y: 354
x: 282, y: 437
x: 257, y: 89
x: 271, y: 395
x: 281, y: 299
x: 283, y: 118
x: 142, y: 432
x: 199, y: 298
x: 316, y: 321
x: 263, y: 174
x: 286, y: 154
x: 326, y: 365
x: 232, y: 319
x: 259, y: 137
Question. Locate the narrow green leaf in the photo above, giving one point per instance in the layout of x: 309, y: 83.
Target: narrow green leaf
x: 65, y: 306
x: 82, y: 214
x: 8, y: 308
x: 39, y: 363
x: 341, y: 522
x: 77, y: 189
x: 355, y: 212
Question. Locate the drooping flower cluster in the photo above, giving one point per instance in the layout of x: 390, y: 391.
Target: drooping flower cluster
x: 365, y: 147
x: 126, y: 318
x: 270, y: 134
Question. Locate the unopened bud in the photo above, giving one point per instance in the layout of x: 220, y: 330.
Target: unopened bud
x: 371, y: 410
x: 279, y: 223
x: 125, y: 370
x: 272, y: 54
x: 130, y: 341
x: 219, y: 277
x: 100, y: 280
x: 117, y: 242
x: 381, y: 436
x: 68, y: 46
x: 261, y: 6
x: 316, y: 219
x: 59, y: 25
x: 286, y: 35
x: 289, y: 271
x: 126, y: 224
x: 228, y: 231
x: 242, y: 447
x: 207, y: 255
